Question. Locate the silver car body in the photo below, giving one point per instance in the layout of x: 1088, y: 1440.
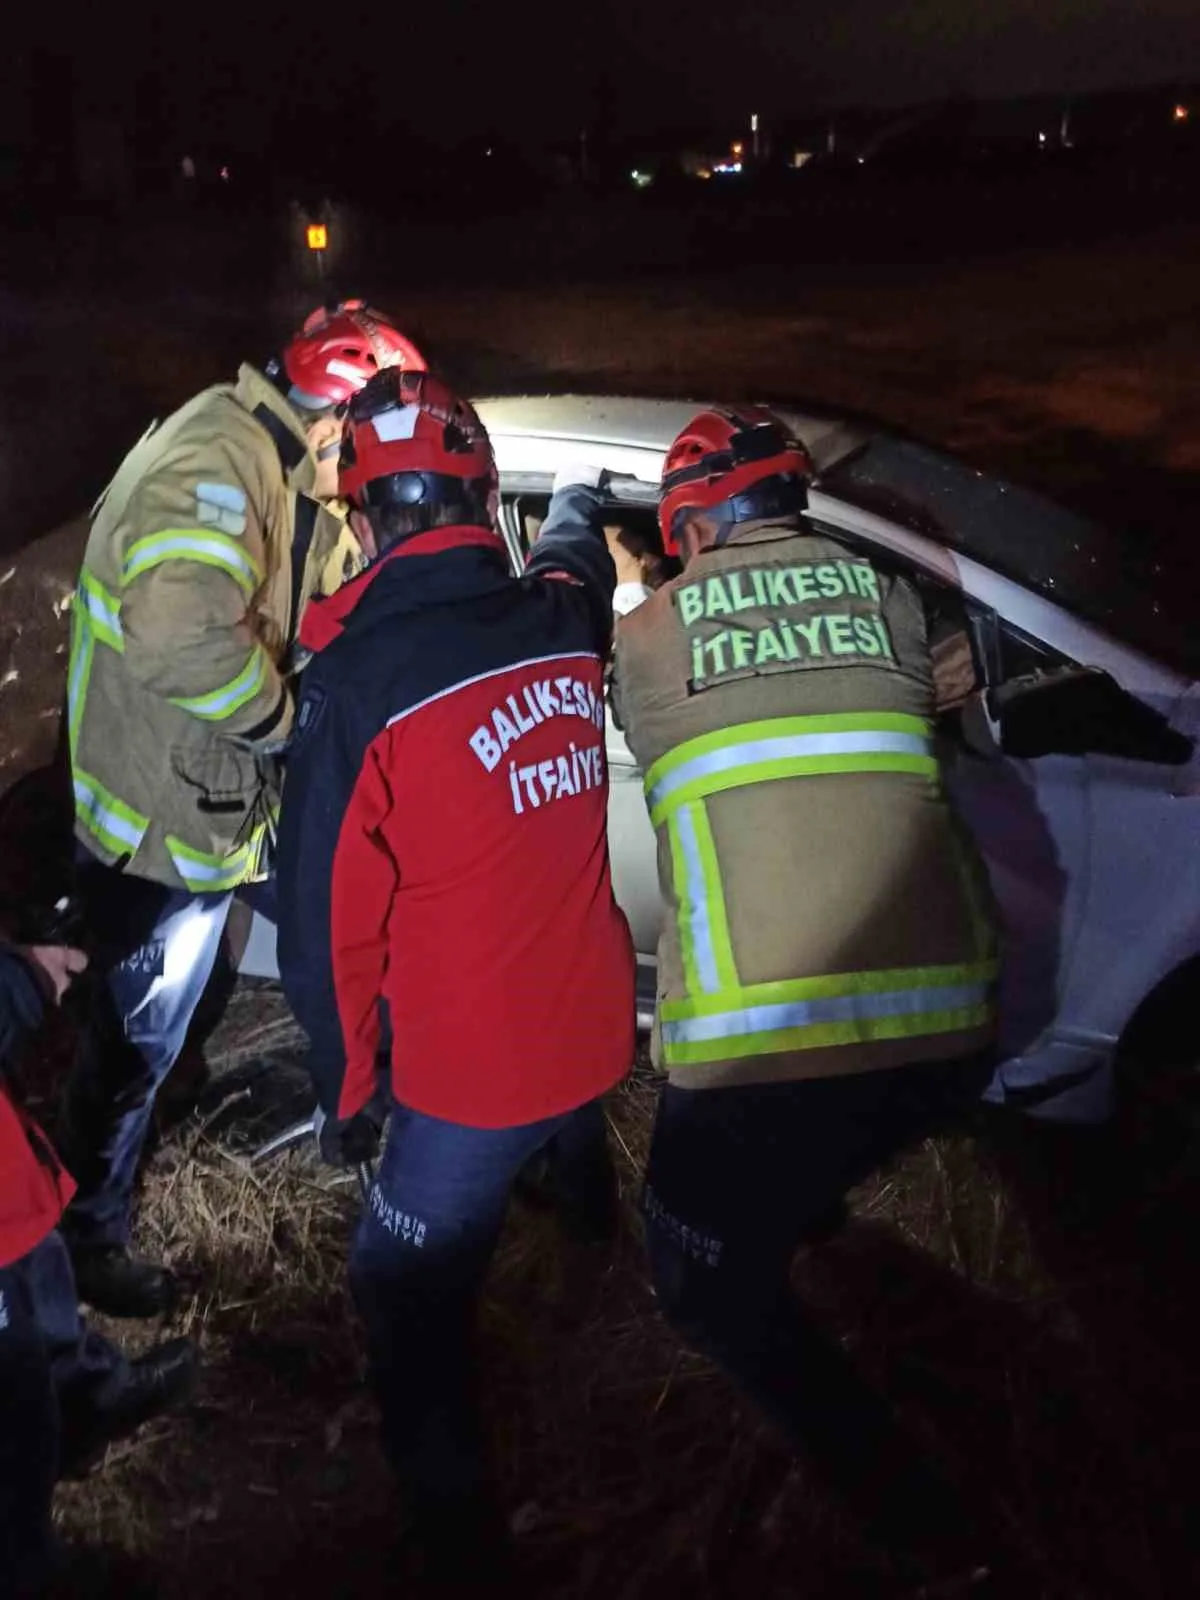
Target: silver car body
x: 1094, y: 861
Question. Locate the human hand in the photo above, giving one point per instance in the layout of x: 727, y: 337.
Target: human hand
x: 54, y: 965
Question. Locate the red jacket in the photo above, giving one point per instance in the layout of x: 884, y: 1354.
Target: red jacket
x: 443, y: 843
x: 34, y: 1186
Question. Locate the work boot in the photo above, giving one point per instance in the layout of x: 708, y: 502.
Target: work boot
x: 156, y: 1382
x: 108, y: 1279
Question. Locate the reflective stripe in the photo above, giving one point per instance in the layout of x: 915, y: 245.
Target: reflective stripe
x: 209, y: 547
x: 103, y: 610
x: 83, y: 645
x: 788, y: 747
x: 808, y: 1013
x: 223, y: 702
x: 118, y: 827
x: 206, y: 873
x: 703, y: 925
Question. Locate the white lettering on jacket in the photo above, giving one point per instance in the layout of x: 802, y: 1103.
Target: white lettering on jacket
x: 521, y: 712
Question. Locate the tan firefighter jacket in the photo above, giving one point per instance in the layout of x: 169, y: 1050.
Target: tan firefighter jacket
x: 202, y: 554
x: 825, y: 911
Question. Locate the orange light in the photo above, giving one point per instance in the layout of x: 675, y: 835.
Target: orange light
x: 737, y: 148
x: 317, y: 235
x: 1181, y: 113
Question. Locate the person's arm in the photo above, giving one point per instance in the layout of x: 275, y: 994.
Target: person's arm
x: 194, y: 560
x: 365, y: 880
x: 29, y: 976
x: 571, y: 546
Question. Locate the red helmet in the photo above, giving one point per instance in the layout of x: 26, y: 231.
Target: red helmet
x: 336, y: 351
x: 734, y: 464
x: 410, y: 441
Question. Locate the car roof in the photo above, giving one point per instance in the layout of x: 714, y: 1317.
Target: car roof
x: 1091, y: 571
x: 629, y: 433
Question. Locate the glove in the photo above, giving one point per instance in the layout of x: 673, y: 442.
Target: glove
x: 349, y: 1141
x: 580, y: 474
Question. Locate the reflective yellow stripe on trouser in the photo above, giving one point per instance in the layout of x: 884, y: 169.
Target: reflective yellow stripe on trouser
x: 722, y: 1019
x: 205, y: 873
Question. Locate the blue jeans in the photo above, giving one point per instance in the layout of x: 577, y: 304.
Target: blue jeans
x: 737, y: 1180
x: 54, y: 1373
x: 156, y: 951
x: 419, y: 1258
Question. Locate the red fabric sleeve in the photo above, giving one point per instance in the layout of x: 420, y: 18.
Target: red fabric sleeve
x: 365, y: 877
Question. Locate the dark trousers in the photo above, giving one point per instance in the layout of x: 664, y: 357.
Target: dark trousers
x: 422, y: 1249
x: 55, y: 1373
x: 157, y: 949
x: 737, y: 1179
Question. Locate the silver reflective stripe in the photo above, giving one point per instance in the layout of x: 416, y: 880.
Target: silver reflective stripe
x: 102, y: 611
x: 200, y: 872
x: 696, y: 904
x: 812, y: 1013
x: 78, y: 673
x: 787, y: 747
x: 120, y: 827
x: 169, y: 546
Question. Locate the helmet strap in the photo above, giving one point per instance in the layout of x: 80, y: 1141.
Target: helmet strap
x: 783, y: 495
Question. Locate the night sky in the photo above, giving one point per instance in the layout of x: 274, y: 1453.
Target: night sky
x: 246, y: 73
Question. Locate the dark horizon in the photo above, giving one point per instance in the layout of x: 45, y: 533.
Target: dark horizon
x: 252, y: 77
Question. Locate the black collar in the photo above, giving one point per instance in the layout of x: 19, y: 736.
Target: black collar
x: 292, y: 451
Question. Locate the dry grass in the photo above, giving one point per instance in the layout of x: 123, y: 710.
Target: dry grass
x: 630, y: 1466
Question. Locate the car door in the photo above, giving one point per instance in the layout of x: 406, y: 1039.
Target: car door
x: 1084, y: 850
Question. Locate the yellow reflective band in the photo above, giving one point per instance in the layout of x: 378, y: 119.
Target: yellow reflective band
x: 678, y: 1052
x: 205, y: 873
x: 207, y: 546
x: 79, y: 670
x: 103, y: 610
x: 847, y: 1008
x: 787, y: 747
x: 694, y: 978
x: 703, y: 922
x: 223, y: 702
x: 118, y: 827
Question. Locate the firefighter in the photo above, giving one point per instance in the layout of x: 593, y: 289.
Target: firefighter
x: 444, y: 876
x: 65, y: 1391
x: 827, y: 965
x: 202, y: 556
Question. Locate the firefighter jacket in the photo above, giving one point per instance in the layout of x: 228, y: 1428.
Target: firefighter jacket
x: 34, y: 1188
x: 201, y: 557
x: 825, y: 911
x: 443, y: 852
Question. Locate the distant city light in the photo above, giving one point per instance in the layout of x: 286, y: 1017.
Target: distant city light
x: 641, y: 180
x: 754, y: 122
x: 488, y: 151
x: 801, y: 157
x: 317, y: 235
x: 1181, y: 113
x: 736, y: 149
x: 224, y: 174
x: 1041, y: 138
x: 728, y: 166
x: 188, y: 167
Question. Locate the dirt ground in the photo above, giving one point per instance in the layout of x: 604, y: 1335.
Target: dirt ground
x: 1028, y: 1297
